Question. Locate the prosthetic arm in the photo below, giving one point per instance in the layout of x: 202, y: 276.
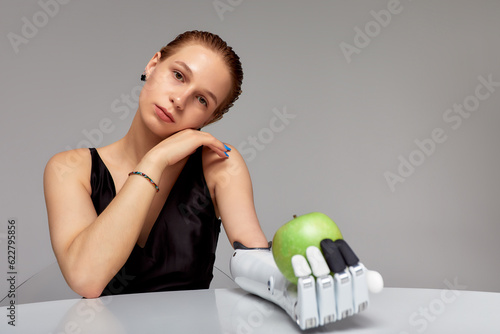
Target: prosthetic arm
x: 331, y: 285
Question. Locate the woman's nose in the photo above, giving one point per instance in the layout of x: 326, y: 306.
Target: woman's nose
x: 178, y: 99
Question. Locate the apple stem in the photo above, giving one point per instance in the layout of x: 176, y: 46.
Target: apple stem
x: 294, y: 216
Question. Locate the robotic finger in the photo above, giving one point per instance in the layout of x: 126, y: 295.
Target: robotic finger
x: 341, y: 276
x: 339, y: 254
x: 306, y: 308
x: 325, y: 288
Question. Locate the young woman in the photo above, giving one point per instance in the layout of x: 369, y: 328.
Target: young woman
x: 143, y: 213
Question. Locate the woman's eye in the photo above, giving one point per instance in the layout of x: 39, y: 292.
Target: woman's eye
x: 178, y: 75
x: 202, y: 100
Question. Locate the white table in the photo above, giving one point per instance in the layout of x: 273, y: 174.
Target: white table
x: 395, y: 310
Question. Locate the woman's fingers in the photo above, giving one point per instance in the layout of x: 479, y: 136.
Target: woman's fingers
x: 214, y: 144
x: 206, y: 139
x: 185, y: 142
x: 222, y: 152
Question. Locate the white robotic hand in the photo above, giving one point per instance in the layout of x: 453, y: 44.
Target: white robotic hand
x: 338, y: 296
x: 318, y: 298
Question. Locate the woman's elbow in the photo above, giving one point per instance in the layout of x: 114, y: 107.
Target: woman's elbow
x: 88, y: 292
x: 85, y: 285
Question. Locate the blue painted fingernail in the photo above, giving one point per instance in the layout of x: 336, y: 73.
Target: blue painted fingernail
x: 226, y: 154
x: 227, y: 148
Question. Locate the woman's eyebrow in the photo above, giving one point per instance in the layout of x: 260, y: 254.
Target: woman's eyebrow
x: 188, y: 70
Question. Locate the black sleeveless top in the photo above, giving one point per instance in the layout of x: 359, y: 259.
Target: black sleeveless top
x: 179, y: 253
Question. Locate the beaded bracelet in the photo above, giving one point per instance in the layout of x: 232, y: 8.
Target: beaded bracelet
x: 147, y: 177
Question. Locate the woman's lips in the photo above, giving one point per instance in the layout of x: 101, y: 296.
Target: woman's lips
x: 164, y: 115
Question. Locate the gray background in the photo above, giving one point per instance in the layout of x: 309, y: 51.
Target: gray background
x: 354, y: 118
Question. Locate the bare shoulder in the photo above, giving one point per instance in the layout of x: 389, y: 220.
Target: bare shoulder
x: 69, y: 166
x: 219, y: 170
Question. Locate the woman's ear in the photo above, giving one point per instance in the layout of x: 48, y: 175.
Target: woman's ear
x: 153, y: 63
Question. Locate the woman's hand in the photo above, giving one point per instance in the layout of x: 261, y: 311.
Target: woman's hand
x: 184, y: 143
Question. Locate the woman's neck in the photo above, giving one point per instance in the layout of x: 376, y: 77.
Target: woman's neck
x: 138, y: 141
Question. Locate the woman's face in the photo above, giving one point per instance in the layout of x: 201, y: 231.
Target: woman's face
x: 183, y: 90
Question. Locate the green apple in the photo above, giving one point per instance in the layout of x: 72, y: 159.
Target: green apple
x: 295, y: 236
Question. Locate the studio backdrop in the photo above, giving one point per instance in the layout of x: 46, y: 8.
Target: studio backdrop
x: 384, y: 115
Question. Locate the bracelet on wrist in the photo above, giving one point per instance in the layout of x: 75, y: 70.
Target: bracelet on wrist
x: 147, y: 177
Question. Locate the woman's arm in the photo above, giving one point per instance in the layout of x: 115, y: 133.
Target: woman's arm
x: 91, y: 249
x: 233, y: 195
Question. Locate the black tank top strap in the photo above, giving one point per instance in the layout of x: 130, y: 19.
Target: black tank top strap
x: 103, y: 186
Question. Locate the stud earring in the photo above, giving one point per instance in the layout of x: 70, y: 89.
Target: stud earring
x: 143, y: 76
